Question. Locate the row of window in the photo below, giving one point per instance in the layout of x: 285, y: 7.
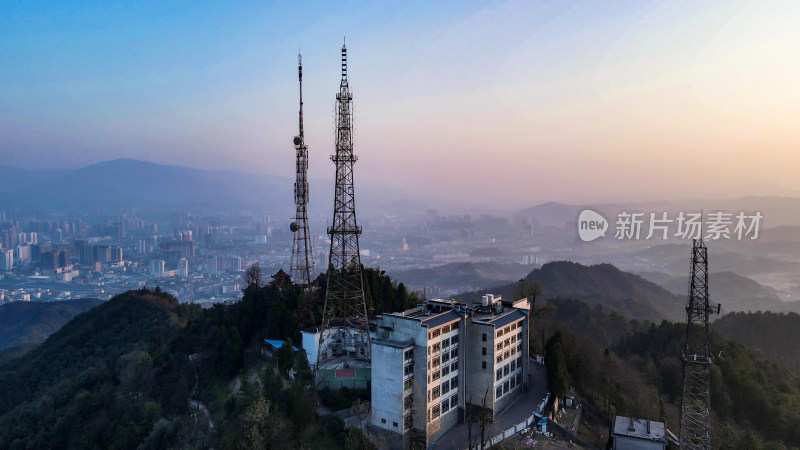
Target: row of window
x: 508, y: 386
x: 508, y: 329
x: 446, y: 369
x: 436, y: 332
x: 508, y: 354
x: 508, y: 368
x: 444, y: 388
x: 444, y: 406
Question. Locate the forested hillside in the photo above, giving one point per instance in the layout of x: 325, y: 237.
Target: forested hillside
x: 33, y: 322
x: 771, y: 336
x: 634, y: 368
x: 120, y: 375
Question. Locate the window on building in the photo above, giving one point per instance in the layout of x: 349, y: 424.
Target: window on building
x: 454, y: 366
x: 506, y: 330
x: 436, y: 392
x: 436, y: 375
x: 436, y: 361
x: 513, y: 351
x: 499, y: 347
x: 505, y: 370
x: 519, y: 347
x: 454, y: 340
x: 436, y: 332
x: 505, y: 387
x: 409, y: 369
x: 454, y: 400
x: 445, y: 370
x: 498, y: 374
x: 454, y: 353
x: 519, y: 361
x: 394, y: 424
x: 445, y: 405
x: 519, y: 378
x: 513, y: 365
x: 383, y: 420
x: 453, y: 382
x: 445, y: 357
x: 445, y: 329
x: 499, y: 333
x: 445, y: 386
x: 514, y: 326
x: 499, y: 359
x: 429, y: 350
x: 506, y: 354
x: 409, y: 354
x: 407, y: 422
x: 435, y: 412
x: 445, y: 343
x: 499, y: 391
x: 513, y: 382
x: 483, y: 337
x: 483, y: 351
x: 408, y: 384
x: 483, y: 364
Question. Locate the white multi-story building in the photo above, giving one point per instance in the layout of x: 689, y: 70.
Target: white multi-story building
x: 157, y: 268
x: 6, y: 260
x: 431, y: 363
x: 183, y: 267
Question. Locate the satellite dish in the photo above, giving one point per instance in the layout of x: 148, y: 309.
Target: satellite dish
x: 294, y: 226
x: 297, y: 140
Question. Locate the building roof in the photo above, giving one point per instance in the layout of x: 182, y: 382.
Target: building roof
x: 277, y: 343
x: 502, y: 319
x: 440, y: 319
x: 637, y: 428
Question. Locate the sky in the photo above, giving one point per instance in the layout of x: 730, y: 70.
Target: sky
x: 507, y: 103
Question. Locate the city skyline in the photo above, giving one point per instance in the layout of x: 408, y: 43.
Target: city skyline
x: 512, y: 103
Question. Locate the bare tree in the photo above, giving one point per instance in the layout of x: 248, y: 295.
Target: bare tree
x: 482, y: 416
x: 253, y: 276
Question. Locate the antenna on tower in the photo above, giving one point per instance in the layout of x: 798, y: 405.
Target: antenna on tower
x: 697, y: 357
x: 344, y: 341
x: 302, y: 264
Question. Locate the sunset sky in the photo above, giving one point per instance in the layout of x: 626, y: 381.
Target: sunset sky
x: 506, y: 102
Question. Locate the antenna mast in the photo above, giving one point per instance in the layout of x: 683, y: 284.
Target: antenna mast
x: 696, y: 406
x: 302, y: 264
x: 344, y: 335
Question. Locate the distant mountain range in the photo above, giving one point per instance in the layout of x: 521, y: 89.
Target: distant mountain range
x: 127, y: 183
x: 130, y: 183
x: 463, y: 274
x: 733, y: 291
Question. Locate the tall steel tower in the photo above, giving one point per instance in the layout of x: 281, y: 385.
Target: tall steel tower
x: 302, y: 263
x: 344, y: 335
x: 696, y: 407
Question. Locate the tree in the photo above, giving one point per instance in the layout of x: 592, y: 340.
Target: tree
x: 555, y: 360
x: 134, y: 372
x: 253, y: 276
x: 286, y: 356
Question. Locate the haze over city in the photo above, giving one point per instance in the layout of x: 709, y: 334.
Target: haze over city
x: 414, y: 225
x: 508, y: 103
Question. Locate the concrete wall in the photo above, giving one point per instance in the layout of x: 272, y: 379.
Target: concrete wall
x: 627, y: 443
x: 478, y: 378
x: 387, y: 387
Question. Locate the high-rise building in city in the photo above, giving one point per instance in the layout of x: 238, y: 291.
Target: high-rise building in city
x: 157, y: 268
x: 183, y: 267
x: 6, y: 260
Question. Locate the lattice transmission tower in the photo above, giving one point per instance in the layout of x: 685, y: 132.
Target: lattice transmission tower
x: 344, y: 334
x: 697, y: 357
x: 302, y: 264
